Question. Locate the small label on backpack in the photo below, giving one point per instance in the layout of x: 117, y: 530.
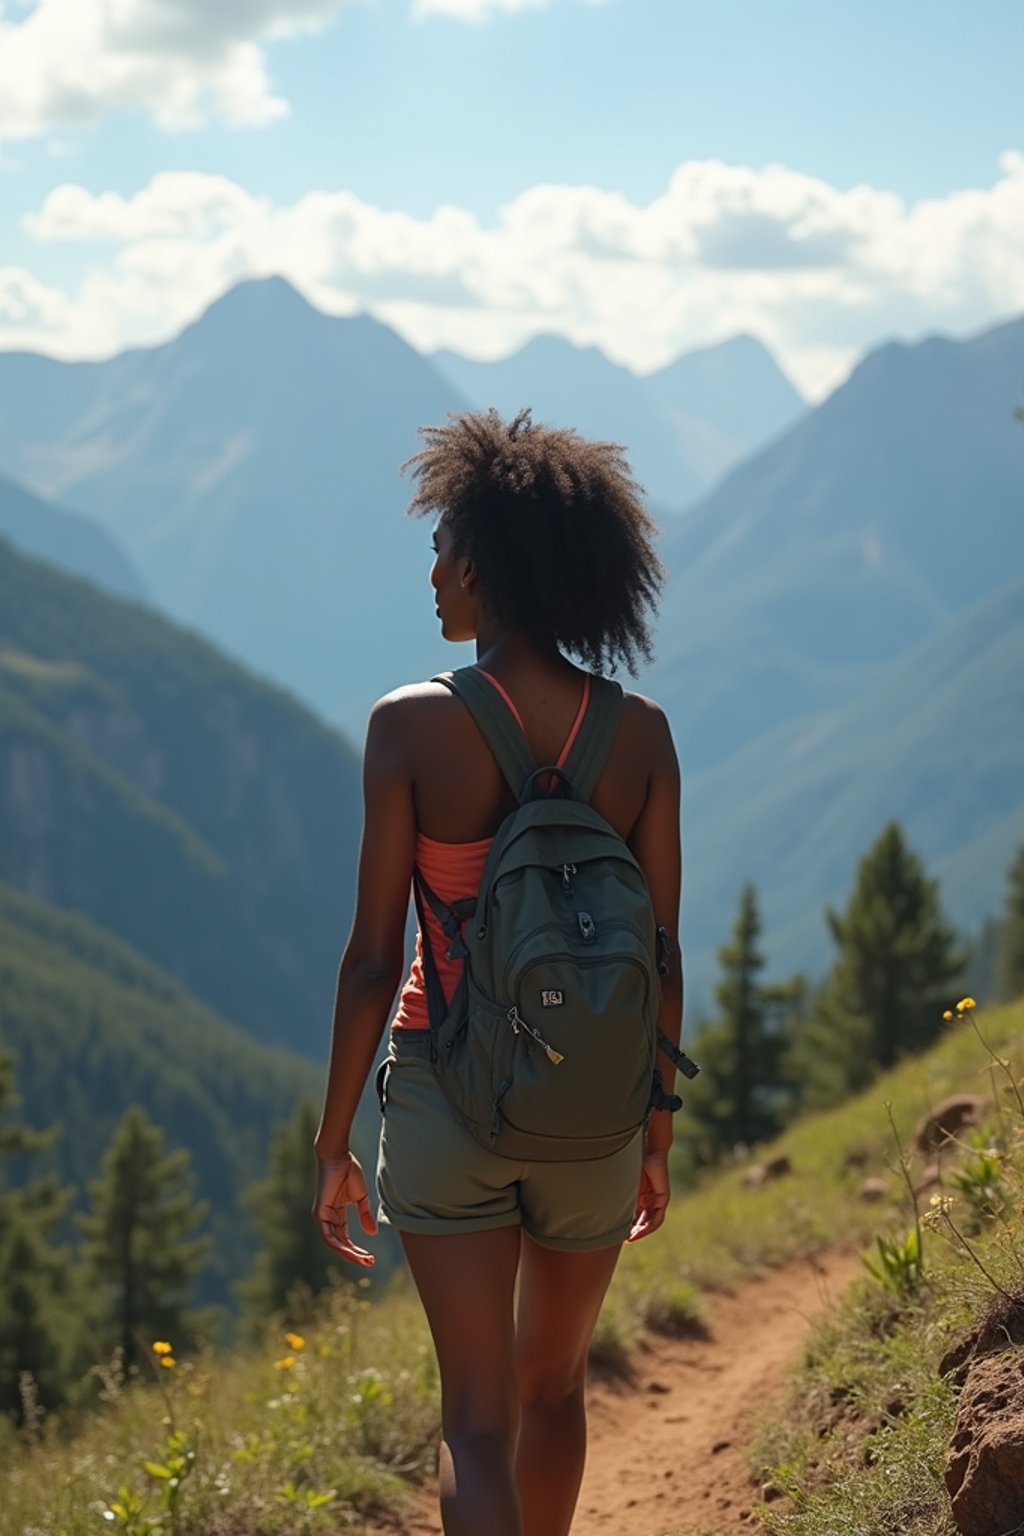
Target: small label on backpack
x: 552, y: 999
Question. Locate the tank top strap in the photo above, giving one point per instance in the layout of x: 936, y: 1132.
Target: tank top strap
x: 574, y: 729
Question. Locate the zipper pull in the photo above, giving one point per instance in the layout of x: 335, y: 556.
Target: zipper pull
x: 519, y: 1024
x: 588, y: 929
x: 568, y: 873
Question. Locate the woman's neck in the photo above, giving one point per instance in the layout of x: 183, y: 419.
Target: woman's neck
x: 505, y: 650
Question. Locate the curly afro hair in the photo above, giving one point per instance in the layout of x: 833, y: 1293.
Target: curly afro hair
x: 556, y: 527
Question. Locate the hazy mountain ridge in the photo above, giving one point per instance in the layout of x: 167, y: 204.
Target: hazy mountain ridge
x: 683, y: 426
x: 251, y: 469
x: 197, y: 812
x: 44, y: 532
x: 894, y: 505
x: 936, y: 743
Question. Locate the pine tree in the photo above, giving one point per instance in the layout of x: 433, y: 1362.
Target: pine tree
x: 1011, y: 938
x: 890, y: 981
x: 140, y: 1247
x: 38, y: 1335
x: 741, y: 1093
x: 293, y: 1254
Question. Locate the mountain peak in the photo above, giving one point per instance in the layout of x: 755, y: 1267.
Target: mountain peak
x: 258, y: 297
x: 264, y: 304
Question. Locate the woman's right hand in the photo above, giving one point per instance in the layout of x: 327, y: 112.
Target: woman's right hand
x: 653, y: 1196
x: 340, y: 1183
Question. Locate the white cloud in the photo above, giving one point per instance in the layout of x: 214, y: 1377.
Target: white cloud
x: 29, y: 306
x: 819, y: 273
x: 480, y: 10
x: 473, y: 10
x: 66, y: 62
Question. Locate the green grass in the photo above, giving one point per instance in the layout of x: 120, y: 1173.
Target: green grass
x: 314, y: 1438
x: 332, y: 1441
x: 721, y: 1232
x: 862, y: 1446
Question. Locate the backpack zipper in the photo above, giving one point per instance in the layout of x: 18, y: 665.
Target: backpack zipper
x: 558, y: 932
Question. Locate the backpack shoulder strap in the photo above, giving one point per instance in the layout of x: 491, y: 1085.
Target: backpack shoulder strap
x: 594, y: 739
x: 496, y: 723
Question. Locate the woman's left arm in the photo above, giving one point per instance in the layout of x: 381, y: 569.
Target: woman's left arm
x: 370, y: 971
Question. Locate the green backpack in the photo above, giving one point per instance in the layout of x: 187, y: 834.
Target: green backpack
x: 547, y: 1051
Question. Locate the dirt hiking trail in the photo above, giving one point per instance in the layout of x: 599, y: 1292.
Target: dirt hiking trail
x: 666, y: 1451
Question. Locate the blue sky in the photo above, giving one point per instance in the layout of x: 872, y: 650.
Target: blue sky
x: 641, y: 174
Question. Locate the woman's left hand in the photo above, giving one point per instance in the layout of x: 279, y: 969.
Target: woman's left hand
x: 340, y: 1183
x: 653, y: 1196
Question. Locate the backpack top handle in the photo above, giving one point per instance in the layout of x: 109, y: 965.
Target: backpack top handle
x: 503, y: 734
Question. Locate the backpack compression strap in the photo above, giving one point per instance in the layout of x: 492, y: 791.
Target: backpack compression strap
x: 511, y: 750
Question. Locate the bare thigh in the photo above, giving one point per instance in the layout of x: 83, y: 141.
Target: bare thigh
x: 467, y: 1285
x: 560, y: 1297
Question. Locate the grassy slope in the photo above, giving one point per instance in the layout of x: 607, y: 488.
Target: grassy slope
x: 721, y: 1231
x: 349, y: 1418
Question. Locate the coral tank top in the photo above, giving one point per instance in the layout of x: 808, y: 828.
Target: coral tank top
x: 454, y: 871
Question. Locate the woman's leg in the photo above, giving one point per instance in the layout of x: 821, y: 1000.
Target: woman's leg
x: 467, y: 1284
x: 560, y: 1296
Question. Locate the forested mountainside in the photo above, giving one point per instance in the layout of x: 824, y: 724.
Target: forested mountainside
x: 96, y: 1028
x: 187, y: 807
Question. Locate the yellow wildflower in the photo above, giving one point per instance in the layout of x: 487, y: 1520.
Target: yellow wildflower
x: 948, y: 1014
x: 161, y: 1347
x: 295, y: 1341
x: 965, y: 1005
x: 284, y: 1364
x: 169, y: 1361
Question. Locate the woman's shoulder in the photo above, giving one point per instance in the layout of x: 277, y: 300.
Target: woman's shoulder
x: 400, y: 716
x: 411, y: 697
x: 647, y: 730
x: 644, y: 713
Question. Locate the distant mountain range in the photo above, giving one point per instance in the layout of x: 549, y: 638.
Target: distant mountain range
x: 250, y: 470
x: 683, y: 426
x: 892, y: 507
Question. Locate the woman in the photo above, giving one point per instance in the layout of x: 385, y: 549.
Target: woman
x: 542, y: 548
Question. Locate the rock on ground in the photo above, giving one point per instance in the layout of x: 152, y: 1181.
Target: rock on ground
x: 985, y: 1464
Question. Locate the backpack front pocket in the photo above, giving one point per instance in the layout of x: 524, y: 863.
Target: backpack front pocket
x: 582, y: 1051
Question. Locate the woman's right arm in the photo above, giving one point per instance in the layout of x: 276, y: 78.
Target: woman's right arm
x: 370, y: 970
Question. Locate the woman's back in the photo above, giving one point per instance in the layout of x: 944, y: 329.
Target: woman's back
x: 459, y: 794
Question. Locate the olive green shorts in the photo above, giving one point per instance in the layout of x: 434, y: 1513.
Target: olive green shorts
x: 434, y: 1177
